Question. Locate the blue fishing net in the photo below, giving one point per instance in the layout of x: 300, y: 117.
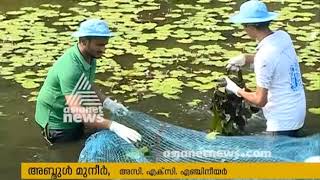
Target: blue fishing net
x: 161, y: 141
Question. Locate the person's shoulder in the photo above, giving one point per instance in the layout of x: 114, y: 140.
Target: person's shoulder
x: 271, y: 50
x: 68, y: 53
x: 67, y: 64
x: 282, y: 37
x: 68, y: 59
x: 282, y: 33
x: 279, y: 40
x: 268, y: 53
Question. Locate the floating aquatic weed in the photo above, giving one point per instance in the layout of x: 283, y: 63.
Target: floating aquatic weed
x: 159, y: 18
x: 131, y: 100
x: 29, y: 84
x: 314, y: 80
x: 126, y: 88
x: 173, y: 15
x: 15, y: 12
x: 185, y: 41
x: 202, y: 84
x: 44, y: 32
x: 87, y: 3
x: 203, y: 1
x: 2, y: 114
x: 177, y: 73
x: 168, y: 87
x: 164, y: 114
x: 2, y: 17
x: 51, y: 5
x: 4, y: 71
x: 105, y: 83
x: 32, y: 99
x: 314, y: 110
x: 212, y: 135
x: 194, y: 102
x: 250, y: 80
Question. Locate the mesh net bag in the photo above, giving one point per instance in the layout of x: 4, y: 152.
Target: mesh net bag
x: 161, y: 141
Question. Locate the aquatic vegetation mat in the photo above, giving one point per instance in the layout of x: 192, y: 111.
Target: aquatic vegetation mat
x: 171, y: 45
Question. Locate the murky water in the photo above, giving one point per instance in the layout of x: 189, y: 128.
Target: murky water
x: 20, y: 139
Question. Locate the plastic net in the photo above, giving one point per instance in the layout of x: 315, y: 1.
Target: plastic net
x: 164, y: 142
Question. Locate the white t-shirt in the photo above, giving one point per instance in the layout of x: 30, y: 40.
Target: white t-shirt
x: 277, y: 69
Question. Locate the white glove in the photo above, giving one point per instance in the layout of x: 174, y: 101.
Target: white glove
x: 124, y: 132
x: 233, y: 87
x: 115, y: 107
x: 237, y: 61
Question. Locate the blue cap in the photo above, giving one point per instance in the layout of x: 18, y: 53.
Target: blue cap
x: 253, y: 11
x: 93, y: 27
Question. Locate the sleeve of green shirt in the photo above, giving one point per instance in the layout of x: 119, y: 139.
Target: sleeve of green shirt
x: 69, y: 78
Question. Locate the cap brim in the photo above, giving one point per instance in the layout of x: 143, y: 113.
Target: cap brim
x: 238, y: 19
x: 78, y: 34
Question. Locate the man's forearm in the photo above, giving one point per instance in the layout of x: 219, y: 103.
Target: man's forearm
x: 99, y: 123
x: 252, y: 98
x: 85, y: 116
x: 100, y: 95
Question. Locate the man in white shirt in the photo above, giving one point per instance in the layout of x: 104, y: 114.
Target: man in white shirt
x: 279, y: 90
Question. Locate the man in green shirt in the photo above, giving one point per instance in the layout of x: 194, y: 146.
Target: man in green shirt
x: 68, y: 99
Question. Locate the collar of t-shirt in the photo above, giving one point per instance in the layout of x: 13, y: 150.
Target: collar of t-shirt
x: 275, y: 36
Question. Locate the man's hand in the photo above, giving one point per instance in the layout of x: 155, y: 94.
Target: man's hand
x: 233, y: 87
x: 237, y: 61
x: 115, y: 107
x: 124, y: 132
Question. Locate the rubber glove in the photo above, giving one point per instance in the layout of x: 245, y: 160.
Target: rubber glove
x: 233, y: 87
x: 115, y: 107
x: 124, y: 132
x: 237, y: 61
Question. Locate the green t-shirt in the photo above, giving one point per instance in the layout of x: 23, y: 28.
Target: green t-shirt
x: 62, y: 79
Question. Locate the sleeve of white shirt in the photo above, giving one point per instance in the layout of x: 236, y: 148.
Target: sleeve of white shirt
x: 264, y: 70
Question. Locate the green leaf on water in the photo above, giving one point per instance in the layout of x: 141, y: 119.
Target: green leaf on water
x: 2, y: 114
x: 6, y: 71
x: 131, y: 100
x: 2, y: 17
x: 32, y: 99
x: 169, y: 96
x: 185, y: 41
x: 145, y: 150
x: 177, y: 73
x: 29, y: 84
x: 159, y: 18
x: 194, y: 102
x: 90, y: 3
x: 203, y: 1
x: 314, y: 110
x: 193, y: 47
x: 173, y: 15
x: 168, y: 87
x: 51, y: 5
x: 314, y: 80
x: 126, y: 88
x: 148, y: 96
x: 15, y: 12
x: 118, y: 92
x: 212, y: 135
x: 163, y: 114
